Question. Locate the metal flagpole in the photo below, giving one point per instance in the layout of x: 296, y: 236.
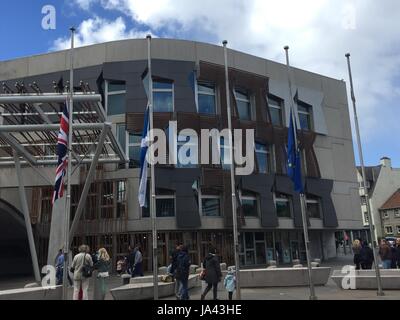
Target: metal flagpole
x: 69, y: 170
x: 360, y: 154
x: 302, y: 195
x: 152, y: 183
x: 233, y: 188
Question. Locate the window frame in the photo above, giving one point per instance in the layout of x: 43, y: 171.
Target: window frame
x: 308, y: 113
x: 386, y: 229
x: 198, y: 92
x: 280, y: 107
x: 172, y: 90
x: 209, y: 196
x: 286, y: 199
x: 396, y: 213
x: 385, y: 214
x: 268, y: 153
x: 314, y: 200
x: 107, y: 93
x: 251, y: 198
x: 165, y: 197
x: 249, y: 101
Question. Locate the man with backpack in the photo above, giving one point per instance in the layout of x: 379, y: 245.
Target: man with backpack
x: 182, y: 272
x: 82, y: 269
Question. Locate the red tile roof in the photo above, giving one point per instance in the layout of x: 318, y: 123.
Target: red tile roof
x: 393, y: 202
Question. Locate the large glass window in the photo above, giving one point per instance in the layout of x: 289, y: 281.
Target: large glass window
x: 206, y: 101
x: 313, y: 207
x: 305, y: 116
x: 225, y: 154
x: 116, y: 97
x: 163, y: 96
x: 249, y: 204
x: 263, y: 158
x: 191, y: 146
x: 243, y: 104
x: 165, y: 203
x: 210, y: 205
x: 275, y: 110
x: 282, y: 203
x: 131, y: 144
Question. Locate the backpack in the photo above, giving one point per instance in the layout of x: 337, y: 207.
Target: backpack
x: 87, y: 270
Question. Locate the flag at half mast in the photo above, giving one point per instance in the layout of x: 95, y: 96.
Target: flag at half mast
x: 62, y: 154
x: 294, y: 159
x: 143, y: 160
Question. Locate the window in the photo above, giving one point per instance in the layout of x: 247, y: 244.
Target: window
x: 282, y: 204
x: 206, y: 101
x: 398, y: 229
x: 397, y: 213
x: 131, y: 144
x: 165, y: 203
x: 243, y: 104
x: 305, y: 112
x: 275, y: 110
x: 249, y: 204
x: 385, y: 214
x: 363, y: 201
x: 263, y: 158
x: 225, y: 159
x: 121, y: 198
x: 115, y: 97
x: 388, y: 229
x: 313, y: 207
x: 210, y: 205
x: 163, y: 96
x: 190, y: 145
x: 366, y: 220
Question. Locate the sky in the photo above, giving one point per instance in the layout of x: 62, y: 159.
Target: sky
x: 319, y: 33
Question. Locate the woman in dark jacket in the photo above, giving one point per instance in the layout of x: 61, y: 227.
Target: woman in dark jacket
x: 102, y: 266
x: 213, y: 273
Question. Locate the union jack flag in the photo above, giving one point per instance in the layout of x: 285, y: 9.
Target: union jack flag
x: 62, y: 153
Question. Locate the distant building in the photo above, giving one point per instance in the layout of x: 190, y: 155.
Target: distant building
x: 383, y: 181
x: 390, y: 215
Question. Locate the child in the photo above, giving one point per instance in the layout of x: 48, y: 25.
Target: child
x: 230, y: 282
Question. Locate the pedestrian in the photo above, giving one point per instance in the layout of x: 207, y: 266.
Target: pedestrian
x: 174, y: 258
x: 81, y: 268
x: 182, y: 272
x: 393, y: 252
x: 120, y: 265
x: 230, y: 282
x: 130, y: 258
x: 103, y: 268
x: 386, y: 254
x: 137, y: 268
x: 59, y: 268
x: 367, y: 256
x: 356, y: 250
x: 397, y: 253
x: 213, y: 273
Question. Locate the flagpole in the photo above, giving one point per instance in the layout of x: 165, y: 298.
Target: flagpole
x: 152, y: 183
x: 69, y: 170
x: 233, y: 187
x: 360, y: 154
x: 303, y: 201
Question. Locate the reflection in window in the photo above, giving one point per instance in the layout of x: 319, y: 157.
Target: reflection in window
x: 210, y: 206
x: 165, y: 203
x: 275, y: 110
x: 163, y: 96
x: 206, y: 98
x: 313, y: 207
x: 282, y: 204
x: 249, y: 204
x: 243, y: 104
x: 305, y: 118
x: 116, y: 98
x: 263, y: 158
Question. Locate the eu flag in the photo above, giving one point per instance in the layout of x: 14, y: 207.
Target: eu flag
x: 294, y: 160
x: 143, y: 162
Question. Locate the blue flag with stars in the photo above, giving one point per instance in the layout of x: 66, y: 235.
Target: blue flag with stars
x: 294, y: 160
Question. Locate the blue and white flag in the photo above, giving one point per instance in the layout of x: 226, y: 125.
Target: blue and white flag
x: 143, y: 161
x: 294, y: 160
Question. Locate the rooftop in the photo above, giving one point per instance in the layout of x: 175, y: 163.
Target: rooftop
x: 393, y: 202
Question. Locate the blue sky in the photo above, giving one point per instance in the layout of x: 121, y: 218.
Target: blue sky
x: 319, y: 32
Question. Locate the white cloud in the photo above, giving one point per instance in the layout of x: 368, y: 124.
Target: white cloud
x: 97, y: 30
x: 85, y: 4
x: 319, y: 33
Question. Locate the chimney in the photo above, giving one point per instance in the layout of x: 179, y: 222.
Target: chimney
x: 386, y: 162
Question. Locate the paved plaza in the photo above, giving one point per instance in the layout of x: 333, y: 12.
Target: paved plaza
x: 328, y: 292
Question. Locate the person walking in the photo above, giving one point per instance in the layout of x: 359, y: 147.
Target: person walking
x: 81, y: 266
x: 367, y: 256
x: 103, y: 268
x: 182, y: 273
x: 137, y: 267
x: 59, y: 268
x: 230, y: 282
x: 356, y: 250
x: 397, y: 246
x: 213, y: 273
x: 174, y: 261
x: 386, y: 254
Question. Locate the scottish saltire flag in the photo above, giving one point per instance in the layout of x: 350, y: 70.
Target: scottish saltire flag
x: 62, y: 153
x: 294, y: 160
x: 143, y: 161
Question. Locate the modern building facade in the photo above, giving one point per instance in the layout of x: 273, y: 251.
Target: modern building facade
x: 382, y: 182
x: 194, y: 201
